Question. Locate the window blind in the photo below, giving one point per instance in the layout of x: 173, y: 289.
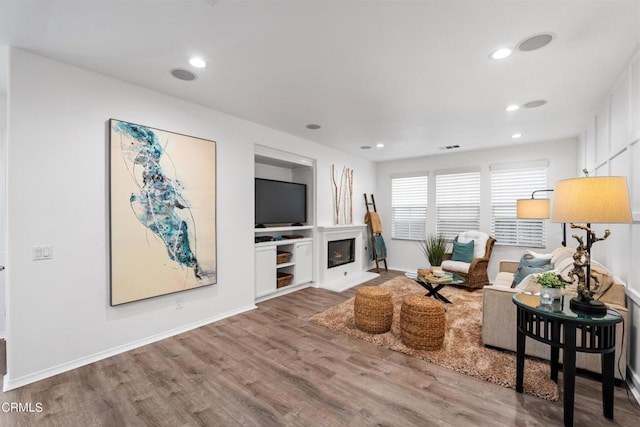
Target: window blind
x: 409, y: 207
x: 507, y: 186
x: 457, y: 203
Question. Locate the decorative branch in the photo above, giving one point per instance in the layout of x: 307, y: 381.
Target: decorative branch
x: 351, y: 196
x: 335, y: 194
x: 342, y: 195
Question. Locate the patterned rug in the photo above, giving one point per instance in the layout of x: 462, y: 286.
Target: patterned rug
x: 463, y: 350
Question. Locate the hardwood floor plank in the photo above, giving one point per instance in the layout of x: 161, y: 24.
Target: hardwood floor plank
x: 272, y: 367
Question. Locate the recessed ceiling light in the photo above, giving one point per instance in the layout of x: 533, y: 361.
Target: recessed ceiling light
x: 516, y: 135
x: 313, y: 126
x: 501, y: 53
x: 380, y: 145
x: 534, y: 104
x: 512, y: 107
x: 181, y: 74
x: 365, y: 147
x: 535, y: 42
x: 198, y: 62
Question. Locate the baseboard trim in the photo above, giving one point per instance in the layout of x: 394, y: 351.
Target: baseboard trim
x: 343, y: 284
x: 633, y: 382
x: 13, y: 383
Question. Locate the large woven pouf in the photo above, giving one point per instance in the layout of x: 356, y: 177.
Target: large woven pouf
x: 373, y: 309
x: 422, y: 322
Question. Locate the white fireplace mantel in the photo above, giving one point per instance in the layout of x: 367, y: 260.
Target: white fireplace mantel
x: 341, y: 227
x: 345, y: 276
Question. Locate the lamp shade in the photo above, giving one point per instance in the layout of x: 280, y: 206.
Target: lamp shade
x: 601, y: 199
x: 532, y: 208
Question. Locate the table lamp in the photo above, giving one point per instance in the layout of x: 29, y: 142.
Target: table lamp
x: 586, y: 201
x: 537, y: 209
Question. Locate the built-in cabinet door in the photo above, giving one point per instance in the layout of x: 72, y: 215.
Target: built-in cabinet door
x: 265, y: 270
x: 304, y: 262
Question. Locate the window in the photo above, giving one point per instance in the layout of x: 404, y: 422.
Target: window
x: 457, y: 203
x: 409, y: 207
x: 507, y: 186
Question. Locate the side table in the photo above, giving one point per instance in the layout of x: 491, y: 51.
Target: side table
x: 558, y: 326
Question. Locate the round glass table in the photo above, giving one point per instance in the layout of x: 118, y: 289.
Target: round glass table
x: 560, y: 327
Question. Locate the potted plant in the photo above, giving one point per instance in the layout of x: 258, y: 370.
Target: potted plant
x: 551, y: 284
x: 434, y: 247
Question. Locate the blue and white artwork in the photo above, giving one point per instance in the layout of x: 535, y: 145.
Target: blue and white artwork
x: 162, y: 198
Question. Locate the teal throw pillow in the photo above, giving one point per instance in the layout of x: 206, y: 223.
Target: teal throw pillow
x: 531, y: 261
x: 524, y: 271
x: 462, y: 251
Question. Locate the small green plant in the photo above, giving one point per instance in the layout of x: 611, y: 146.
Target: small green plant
x: 434, y: 247
x: 550, y: 279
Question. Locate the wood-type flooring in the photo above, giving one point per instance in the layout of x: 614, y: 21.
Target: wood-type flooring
x: 271, y: 367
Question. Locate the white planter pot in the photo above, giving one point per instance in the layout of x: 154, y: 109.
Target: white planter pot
x: 548, y: 295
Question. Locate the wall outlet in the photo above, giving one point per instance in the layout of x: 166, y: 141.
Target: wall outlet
x: 178, y: 303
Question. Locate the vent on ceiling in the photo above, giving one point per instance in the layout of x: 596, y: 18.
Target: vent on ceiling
x: 181, y: 74
x: 535, y: 42
x: 534, y: 104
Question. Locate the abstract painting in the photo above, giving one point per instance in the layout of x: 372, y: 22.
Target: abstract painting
x: 162, y: 212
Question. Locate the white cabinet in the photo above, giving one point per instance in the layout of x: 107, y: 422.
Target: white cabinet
x: 268, y: 269
x: 265, y: 270
x: 303, y: 270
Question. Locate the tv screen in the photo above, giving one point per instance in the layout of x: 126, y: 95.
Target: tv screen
x: 279, y: 202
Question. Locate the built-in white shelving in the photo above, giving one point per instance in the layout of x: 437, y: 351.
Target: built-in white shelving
x: 274, y: 164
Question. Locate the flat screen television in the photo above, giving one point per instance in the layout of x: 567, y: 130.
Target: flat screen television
x: 280, y: 202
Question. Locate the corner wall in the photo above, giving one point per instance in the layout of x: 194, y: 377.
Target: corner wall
x: 59, y: 316
x: 610, y: 146
x: 406, y: 254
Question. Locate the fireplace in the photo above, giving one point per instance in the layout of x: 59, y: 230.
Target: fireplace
x: 340, y: 252
x: 350, y: 242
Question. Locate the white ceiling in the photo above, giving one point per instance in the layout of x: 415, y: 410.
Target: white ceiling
x: 414, y: 75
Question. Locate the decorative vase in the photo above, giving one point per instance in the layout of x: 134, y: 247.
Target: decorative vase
x: 436, y: 269
x: 548, y: 295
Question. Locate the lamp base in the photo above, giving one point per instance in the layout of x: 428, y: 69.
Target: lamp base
x: 588, y: 307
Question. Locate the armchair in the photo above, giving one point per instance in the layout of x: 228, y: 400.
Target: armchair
x: 475, y: 272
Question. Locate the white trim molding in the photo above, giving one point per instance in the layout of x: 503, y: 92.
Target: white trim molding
x: 633, y: 381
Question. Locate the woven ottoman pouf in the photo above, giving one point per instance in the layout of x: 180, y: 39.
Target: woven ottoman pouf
x: 373, y: 309
x: 422, y: 322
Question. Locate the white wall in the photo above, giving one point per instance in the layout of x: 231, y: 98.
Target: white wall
x: 3, y: 147
x: 59, y: 315
x: 406, y: 255
x: 3, y: 112
x: 610, y: 145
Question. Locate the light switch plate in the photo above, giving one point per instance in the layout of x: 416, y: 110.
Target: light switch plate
x: 42, y: 252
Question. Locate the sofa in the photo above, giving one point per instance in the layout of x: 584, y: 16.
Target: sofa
x: 499, y: 312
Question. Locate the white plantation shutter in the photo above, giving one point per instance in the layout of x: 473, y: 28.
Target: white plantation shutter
x: 507, y: 186
x: 409, y: 207
x: 457, y: 203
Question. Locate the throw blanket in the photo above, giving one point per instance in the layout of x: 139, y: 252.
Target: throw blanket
x: 376, y: 225
x: 381, y: 248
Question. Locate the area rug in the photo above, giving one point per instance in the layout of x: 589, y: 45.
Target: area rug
x: 463, y: 350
